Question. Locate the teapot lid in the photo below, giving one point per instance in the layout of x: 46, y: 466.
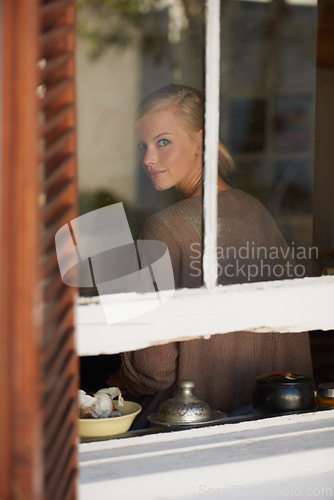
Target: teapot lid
x: 185, y: 409
x: 278, y: 378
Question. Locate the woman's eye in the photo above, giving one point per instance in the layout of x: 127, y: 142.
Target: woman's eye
x: 141, y: 146
x: 163, y: 142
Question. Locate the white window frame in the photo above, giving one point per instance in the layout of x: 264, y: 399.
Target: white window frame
x: 283, y: 306
x: 286, y: 457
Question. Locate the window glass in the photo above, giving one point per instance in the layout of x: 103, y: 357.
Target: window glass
x: 268, y: 95
x: 126, y: 50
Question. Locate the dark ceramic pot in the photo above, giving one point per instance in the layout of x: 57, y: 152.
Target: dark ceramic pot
x: 284, y: 392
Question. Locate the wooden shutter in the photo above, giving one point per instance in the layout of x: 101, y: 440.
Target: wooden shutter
x: 38, y: 364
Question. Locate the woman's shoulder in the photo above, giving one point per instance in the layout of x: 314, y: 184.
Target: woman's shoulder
x: 238, y: 196
x: 238, y: 203
x: 174, y: 216
x: 182, y: 207
x: 187, y: 214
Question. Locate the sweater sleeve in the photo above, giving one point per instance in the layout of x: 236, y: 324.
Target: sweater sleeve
x: 150, y: 370
x: 147, y: 371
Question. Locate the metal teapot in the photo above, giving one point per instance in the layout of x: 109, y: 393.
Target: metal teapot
x: 185, y: 409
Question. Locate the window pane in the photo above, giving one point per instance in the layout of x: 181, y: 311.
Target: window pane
x: 127, y: 50
x: 268, y: 92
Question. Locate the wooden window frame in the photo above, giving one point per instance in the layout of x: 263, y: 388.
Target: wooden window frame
x: 38, y: 361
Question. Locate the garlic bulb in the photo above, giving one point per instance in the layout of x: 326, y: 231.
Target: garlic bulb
x: 101, y: 404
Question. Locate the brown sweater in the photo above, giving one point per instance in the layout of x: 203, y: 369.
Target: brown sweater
x: 250, y: 248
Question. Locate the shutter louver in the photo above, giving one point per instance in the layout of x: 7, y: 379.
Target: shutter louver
x: 38, y: 361
x: 59, y: 187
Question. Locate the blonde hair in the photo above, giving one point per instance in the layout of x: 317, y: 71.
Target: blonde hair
x: 190, y: 103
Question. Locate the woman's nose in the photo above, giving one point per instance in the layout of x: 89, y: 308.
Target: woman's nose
x: 149, y: 157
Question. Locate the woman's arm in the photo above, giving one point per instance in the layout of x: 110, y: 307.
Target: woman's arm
x: 154, y: 369
x: 149, y: 370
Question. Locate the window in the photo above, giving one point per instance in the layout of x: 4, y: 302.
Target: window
x: 38, y: 196
x: 183, y: 316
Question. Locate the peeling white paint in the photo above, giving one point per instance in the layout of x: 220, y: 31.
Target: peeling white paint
x: 282, y: 306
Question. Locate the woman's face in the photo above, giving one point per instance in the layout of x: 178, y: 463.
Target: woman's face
x: 170, y: 154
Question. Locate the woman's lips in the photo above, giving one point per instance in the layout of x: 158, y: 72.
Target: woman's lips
x: 154, y: 174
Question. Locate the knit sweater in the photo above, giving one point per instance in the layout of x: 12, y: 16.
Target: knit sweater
x: 250, y: 248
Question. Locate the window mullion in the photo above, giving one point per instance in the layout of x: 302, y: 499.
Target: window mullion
x: 212, y: 72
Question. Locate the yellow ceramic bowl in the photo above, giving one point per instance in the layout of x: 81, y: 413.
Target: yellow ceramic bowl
x: 105, y: 427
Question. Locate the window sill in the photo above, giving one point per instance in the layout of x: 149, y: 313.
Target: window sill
x: 267, y: 458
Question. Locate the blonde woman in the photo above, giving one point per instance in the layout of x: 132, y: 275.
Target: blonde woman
x: 169, y: 132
